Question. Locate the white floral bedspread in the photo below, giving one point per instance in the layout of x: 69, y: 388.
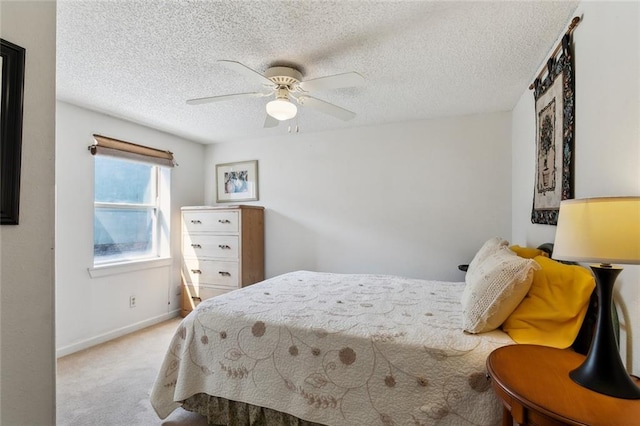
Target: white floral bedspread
x: 336, y: 349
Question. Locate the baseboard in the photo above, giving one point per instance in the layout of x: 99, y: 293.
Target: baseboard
x: 69, y: 349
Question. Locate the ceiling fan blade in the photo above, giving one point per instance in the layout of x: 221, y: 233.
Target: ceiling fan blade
x: 210, y: 99
x: 247, y: 72
x: 269, y: 121
x: 326, y: 107
x: 348, y: 79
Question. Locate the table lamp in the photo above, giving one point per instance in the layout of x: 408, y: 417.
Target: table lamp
x: 605, y: 231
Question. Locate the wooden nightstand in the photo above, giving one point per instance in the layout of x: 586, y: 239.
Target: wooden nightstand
x: 534, y: 386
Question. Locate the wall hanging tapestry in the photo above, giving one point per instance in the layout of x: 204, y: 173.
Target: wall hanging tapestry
x: 12, y: 63
x: 555, y: 103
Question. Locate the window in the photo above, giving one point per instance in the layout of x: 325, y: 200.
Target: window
x: 131, y: 206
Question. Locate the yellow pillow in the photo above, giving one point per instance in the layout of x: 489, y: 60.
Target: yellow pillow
x: 555, y: 306
x: 528, y: 252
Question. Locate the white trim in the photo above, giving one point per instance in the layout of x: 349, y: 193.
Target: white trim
x: 125, y: 206
x: 84, y: 344
x: 98, y: 271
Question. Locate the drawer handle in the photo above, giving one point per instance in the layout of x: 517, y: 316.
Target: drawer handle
x: 224, y: 274
x: 196, y: 246
x: 224, y: 221
x: 224, y: 247
x: 196, y: 271
x: 196, y: 222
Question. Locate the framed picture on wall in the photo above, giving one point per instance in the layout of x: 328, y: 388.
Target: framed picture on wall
x: 12, y: 62
x: 237, y: 182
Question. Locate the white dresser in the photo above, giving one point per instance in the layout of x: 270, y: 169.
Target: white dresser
x: 222, y: 250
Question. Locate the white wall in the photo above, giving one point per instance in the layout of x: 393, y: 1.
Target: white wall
x: 93, y: 310
x: 413, y: 199
x: 607, y: 137
x: 27, y: 396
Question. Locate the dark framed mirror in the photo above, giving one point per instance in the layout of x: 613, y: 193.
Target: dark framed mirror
x: 13, y: 64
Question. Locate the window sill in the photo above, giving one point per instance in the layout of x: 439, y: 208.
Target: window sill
x: 125, y: 267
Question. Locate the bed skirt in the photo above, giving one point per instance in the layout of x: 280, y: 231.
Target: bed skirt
x: 223, y: 412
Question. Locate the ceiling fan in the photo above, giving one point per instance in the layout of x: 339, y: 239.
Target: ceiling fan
x: 284, y: 84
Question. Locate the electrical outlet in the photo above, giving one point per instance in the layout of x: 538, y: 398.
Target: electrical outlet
x: 132, y: 301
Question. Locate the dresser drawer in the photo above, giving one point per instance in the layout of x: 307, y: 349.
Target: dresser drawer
x: 204, y: 292
x: 211, y: 221
x: 216, y: 246
x: 212, y: 272
x: 193, y: 295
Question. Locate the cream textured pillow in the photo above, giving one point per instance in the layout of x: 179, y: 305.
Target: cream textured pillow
x: 490, y: 246
x: 496, y: 284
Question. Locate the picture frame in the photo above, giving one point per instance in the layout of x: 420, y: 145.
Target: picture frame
x: 12, y: 98
x: 237, y: 181
x: 554, y: 106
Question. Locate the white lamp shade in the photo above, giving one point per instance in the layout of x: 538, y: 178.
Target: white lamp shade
x: 281, y: 109
x: 601, y: 230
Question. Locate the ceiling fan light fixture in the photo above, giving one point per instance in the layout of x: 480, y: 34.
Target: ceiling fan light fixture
x: 281, y: 109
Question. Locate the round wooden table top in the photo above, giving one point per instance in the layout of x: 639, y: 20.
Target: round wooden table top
x: 538, y: 378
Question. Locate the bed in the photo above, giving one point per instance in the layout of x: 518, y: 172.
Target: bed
x: 307, y: 348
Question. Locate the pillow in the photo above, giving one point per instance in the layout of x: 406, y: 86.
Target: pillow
x: 495, y: 287
x: 552, y: 312
x: 528, y: 252
x: 490, y: 246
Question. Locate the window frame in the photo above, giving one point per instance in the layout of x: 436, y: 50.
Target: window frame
x: 161, y: 163
x: 153, y: 207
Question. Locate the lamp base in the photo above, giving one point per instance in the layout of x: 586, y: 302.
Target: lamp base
x: 603, y: 371
x: 621, y: 387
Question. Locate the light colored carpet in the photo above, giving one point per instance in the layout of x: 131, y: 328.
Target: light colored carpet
x: 109, y: 384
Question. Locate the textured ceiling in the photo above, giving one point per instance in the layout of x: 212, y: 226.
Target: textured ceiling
x: 141, y: 60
